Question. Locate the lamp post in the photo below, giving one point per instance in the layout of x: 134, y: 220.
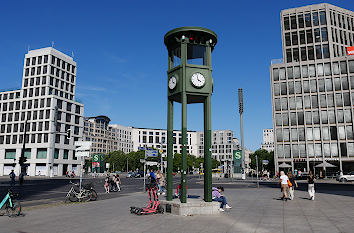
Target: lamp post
x: 240, y: 102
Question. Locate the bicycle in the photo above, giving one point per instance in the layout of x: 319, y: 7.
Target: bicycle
x: 86, y: 193
x: 13, y: 208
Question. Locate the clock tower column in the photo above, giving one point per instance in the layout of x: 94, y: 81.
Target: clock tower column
x: 189, y: 81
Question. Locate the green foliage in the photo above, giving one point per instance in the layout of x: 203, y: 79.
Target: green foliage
x: 118, y: 160
x: 262, y: 155
x: 192, y: 162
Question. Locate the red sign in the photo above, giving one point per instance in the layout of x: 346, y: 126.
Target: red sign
x: 95, y: 164
x: 350, y: 50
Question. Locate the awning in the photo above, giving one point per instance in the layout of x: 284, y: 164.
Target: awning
x: 325, y: 164
x: 284, y: 165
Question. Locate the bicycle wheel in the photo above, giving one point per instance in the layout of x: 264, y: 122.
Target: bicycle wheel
x: 93, y: 195
x: 15, y: 210
x: 73, y: 197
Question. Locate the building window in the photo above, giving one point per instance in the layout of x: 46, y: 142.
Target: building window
x: 66, y: 154
x: 41, y: 153
x: 56, y: 154
x: 10, y: 154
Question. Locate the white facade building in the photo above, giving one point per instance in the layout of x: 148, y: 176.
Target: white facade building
x: 107, y: 137
x: 222, y: 143
x: 268, y: 140
x: 48, y: 87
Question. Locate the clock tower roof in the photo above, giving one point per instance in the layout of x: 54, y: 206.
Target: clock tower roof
x: 196, y: 34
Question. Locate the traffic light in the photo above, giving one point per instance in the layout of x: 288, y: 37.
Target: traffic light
x: 68, y: 134
x: 23, y: 160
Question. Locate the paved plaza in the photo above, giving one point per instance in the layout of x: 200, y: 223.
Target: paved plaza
x: 254, y: 210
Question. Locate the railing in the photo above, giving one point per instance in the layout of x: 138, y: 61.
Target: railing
x: 277, y: 61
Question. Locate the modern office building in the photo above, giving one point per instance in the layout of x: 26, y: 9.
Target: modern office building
x: 268, y: 140
x: 48, y: 87
x: 313, y: 88
x: 106, y: 138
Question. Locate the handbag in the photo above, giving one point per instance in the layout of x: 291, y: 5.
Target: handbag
x: 289, y: 184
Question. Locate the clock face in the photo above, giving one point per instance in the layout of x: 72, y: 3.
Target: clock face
x: 198, y: 80
x: 172, y: 83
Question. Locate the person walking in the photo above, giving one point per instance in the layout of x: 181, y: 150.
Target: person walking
x: 293, y: 184
x: 216, y: 194
x: 21, y: 178
x: 12, y: 178
x: 116, y: 181
x: 162, y: 183
x: 284, y: 185
x: 158, y: 176
x: 106, y: 183
x: 152, y: 177
x: 311, y: 185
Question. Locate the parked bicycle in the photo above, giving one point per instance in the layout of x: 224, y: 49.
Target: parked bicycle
x: 86, y: 193
x: 13, y: 208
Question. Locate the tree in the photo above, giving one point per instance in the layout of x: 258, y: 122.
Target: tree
x: 262, y: 155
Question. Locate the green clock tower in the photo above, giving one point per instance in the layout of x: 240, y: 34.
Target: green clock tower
x: 189, y: 81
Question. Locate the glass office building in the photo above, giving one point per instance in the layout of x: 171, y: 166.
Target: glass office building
x: 313, y: 88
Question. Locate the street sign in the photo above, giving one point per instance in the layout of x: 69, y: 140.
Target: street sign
x: 237, y: 160
x: 82, y: 146
x: 107, y: 165
x: 82, y: 154
x: 95, y: 164
x: 151, y: 153
x: 238, y: 154
x: 150, y: 163
x: 265, y: 162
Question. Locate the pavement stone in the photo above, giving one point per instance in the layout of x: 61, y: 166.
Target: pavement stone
x: 254, y: 210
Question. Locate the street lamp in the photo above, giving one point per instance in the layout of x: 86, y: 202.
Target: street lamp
x: 240, y: 102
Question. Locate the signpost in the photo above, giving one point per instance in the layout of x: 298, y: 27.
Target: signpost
x: 151, y: 153
x: 237, y: 157
x: 257, y: 171
x: 82, y: 150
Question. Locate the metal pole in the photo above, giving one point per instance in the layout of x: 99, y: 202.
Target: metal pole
x: 257, y: 171
x: 240, y: 101
x: 21, y: 160
x: 127, y: 165
x: 207, y: 150
x: 81, y: 157
x: 169, y: 150
x: 144, y: 175
x: 184, y: 149
x: 51, y: 158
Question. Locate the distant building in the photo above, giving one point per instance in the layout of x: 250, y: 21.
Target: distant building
x: 268, y: 140
x: 222, y: 143
x: 48, y: 87
x: 106, y: 138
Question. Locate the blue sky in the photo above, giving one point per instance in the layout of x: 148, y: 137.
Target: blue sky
x: 122, y: 60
